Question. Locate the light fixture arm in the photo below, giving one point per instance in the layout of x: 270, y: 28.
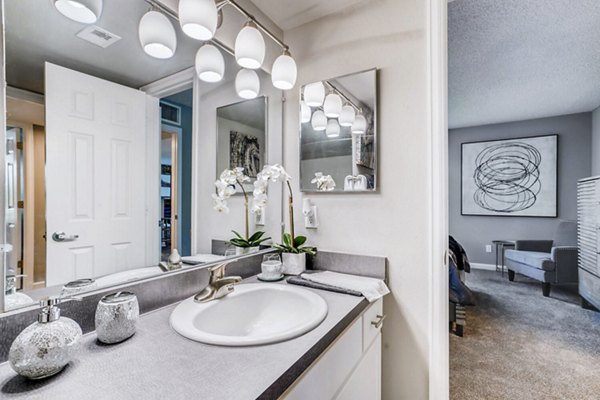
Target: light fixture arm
x: 349, y: 101
x: 220, y: 5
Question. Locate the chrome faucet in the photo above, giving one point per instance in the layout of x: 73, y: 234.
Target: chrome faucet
x: 218, y: 284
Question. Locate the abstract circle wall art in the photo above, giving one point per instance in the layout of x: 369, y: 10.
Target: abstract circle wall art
x: 510, y: 177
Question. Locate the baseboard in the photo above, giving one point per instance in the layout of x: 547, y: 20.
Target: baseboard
x: 486, y: 267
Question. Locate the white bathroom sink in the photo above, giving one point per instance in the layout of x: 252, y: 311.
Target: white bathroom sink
x: 253, y: 314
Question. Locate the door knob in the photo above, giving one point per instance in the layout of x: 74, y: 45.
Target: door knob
x: 63, y: 237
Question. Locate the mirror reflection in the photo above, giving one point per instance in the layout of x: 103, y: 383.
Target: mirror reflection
x: 338, y: 131
x: 241, y: 137
x: 103, y: 180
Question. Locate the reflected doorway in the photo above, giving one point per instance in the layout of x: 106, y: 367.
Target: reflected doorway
x: 176, y: 173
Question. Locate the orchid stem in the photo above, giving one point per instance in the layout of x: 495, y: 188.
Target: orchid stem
x: 245, y: 205
x: 291, y: 211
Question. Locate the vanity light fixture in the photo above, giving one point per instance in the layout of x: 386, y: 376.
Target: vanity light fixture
x: 210, y: 65
x: 247, y: 84
x: 157, y: 35
x: 333, y: 128
x: 305, y: 112
x: 319, y: 121
x: 84, y: 11
x: 360, y: 124
x: 198, y: 18
x: 347, y: 116
x: 333, y: 105
x: 314, y: 94
x: 250, y: 47
x: 284, y: 71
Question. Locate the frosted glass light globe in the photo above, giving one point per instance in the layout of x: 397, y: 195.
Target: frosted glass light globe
x: 157, y: 35
x: 332, y: 106
x: 347, y: 116
x: 284, y: 72
x: 314, y: 94
x: 84, y: 11
x: 210, y: 65
x: 198, y: 18
x: 305, y: 113
x: 319, y: 121
x: 360, y: 124
x: 333, y: 128
x: 247, y: 84
x: 250, y: 47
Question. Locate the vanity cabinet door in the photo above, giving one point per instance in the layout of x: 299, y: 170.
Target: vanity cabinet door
x: 328, y: 373
x: 365, y: 381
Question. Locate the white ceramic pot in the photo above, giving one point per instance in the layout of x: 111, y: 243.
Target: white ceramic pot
x: 239, y: 251
x: 293, y: 264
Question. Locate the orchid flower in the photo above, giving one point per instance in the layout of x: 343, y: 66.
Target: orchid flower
x: 324, y: 183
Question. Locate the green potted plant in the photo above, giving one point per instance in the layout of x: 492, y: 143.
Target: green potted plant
x: 226, y: 187
x: 293, y: 251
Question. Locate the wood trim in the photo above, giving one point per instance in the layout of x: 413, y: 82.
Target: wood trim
x: 25, y: 95
x: 437, y: 60
x: 178, y: 82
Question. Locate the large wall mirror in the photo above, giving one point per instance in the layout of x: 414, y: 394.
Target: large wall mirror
x: 338, y: 134
x: 109, y: 168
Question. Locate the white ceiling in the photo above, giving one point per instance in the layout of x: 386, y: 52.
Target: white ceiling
x: 37, y: 32
x: 289, y: 14
x: 513, y: 60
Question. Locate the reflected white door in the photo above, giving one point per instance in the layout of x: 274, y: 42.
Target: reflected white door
x: 95, y: 176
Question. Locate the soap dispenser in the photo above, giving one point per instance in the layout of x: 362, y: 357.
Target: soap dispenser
x: 45, y: 347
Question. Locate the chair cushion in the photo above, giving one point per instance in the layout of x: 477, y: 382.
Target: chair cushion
x: 532, y: 259
x: 566, y: 234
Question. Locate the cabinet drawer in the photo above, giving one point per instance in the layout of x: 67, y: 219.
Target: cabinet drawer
x: 372, y: 323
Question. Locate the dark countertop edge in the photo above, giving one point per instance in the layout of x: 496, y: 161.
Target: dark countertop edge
x: 286, y: 380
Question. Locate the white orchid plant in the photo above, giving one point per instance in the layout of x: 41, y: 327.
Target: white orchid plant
x: 324, y: 183
x: 226, y: 187
x: 276, y: 173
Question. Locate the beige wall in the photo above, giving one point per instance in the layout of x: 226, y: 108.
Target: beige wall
x: 390, y: 35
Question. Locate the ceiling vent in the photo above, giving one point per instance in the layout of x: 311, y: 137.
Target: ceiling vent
x: 98, y: 36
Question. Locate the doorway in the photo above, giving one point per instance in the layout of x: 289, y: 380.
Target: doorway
x: 176, y: 173
x: 169, y: 177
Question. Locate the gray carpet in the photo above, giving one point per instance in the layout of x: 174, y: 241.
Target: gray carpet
x: 520, y: 345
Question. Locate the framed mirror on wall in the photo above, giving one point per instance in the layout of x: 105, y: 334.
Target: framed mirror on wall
x: 338, y: 134
x: 103, y: 177
x: 242, y: 137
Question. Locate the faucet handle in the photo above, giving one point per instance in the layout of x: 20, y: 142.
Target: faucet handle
x: 218, y: 271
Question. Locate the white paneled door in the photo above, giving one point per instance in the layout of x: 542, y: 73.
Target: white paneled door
x: 96, y: 143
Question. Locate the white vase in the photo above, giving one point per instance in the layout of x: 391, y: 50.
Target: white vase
x: 239, y: 251
x: 293, y: 264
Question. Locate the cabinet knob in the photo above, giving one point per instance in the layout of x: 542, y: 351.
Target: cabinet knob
x: 378, y: 321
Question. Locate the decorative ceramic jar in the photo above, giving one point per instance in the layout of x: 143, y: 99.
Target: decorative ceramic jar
x: 45, y: 347
x: 293, y: 264
x: 116, y: 317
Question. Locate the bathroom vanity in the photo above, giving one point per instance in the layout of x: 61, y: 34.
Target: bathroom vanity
x: 340, y: 358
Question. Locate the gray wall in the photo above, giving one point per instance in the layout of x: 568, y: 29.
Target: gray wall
x: 574, y: 162
x: 596, y: 142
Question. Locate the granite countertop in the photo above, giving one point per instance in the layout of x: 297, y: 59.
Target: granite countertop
x: 158, y: 363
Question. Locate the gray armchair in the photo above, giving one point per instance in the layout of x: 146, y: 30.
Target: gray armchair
x: 548, y: 261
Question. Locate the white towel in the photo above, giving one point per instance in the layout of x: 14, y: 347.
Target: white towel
x: 361, y: 183
x: 349, y: 183
x: 201, y: 258
x: 371, y: 288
